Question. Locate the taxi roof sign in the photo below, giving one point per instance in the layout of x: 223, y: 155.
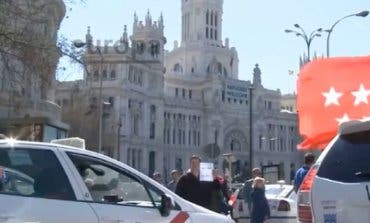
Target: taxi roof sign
x: 73, y: 142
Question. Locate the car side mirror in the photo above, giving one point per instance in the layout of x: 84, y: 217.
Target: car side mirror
x: 112, y: 199
x: 167, y: 204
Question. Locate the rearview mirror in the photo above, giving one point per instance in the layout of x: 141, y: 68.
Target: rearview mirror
x: 166, y: 205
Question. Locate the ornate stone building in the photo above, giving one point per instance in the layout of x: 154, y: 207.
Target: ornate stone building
x: 168, y: 105
x: 28, y: 60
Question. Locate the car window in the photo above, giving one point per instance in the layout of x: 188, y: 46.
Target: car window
x: 103, y: 180
x: 36, y: 173
x: 348, y: 159
x: 273, y: 191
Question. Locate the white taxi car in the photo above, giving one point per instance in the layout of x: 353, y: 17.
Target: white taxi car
x: 282, y: 202
x: 45, y: 182
x: 337, y: 188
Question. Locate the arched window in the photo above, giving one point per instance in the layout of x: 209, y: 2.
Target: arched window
x: 136, y: 125
x: 177, y: 68
x: 216, y: 137
x: 113, y: 75
x: 129, y: 156
x: 152, y: 124
x: 173, y: 136
x: 140, y: 79
x: 225, y: 72
x: 211, y: 18
x: 131, y: 73
x: 219, y: 68
x: 235, y: 145
x: 105, y: 75
x: 178, y: 164
x: 260, y: 142
x: 154, y: 48
x: 152, y: 109
x: 96, y: 75
x: 152, y: 131
x: 140, y: 47
x: 207, y: 17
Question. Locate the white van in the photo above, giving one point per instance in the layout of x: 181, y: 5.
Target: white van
x: 45, y: 182
x: 336, y: 188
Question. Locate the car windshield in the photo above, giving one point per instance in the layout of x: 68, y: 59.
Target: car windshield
x: 348, y: 159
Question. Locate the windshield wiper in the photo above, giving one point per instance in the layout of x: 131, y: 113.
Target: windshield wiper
x: 363, y: 174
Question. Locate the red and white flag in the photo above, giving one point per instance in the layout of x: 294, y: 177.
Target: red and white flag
x: 330, y: 92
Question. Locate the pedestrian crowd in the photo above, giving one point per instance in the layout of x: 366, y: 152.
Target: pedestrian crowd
x: 215, y: 195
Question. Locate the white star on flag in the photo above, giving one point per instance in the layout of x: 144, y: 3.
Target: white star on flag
x: 361, y: 95
x: 332, y: 97
x: 344, y: 119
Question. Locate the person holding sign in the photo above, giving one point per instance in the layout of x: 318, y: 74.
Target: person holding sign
x: 196, y: 189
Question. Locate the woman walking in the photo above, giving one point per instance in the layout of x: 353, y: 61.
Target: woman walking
x: 260, y: 211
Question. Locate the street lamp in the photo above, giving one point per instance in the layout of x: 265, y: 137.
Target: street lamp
x: 80, y: 44
x: 230, y: 158
x: 251, y: 127
x: 329, y: 31
x: 307, y: 38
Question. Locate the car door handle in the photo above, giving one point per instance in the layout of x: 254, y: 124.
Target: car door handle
x: 109, y: 220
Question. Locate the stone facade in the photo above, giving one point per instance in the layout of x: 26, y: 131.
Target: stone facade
x: 288, y: 102
x: 29, y: 57
x: 167, y: 106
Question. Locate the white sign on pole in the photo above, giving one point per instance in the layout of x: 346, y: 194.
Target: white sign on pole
x: 206, y: 172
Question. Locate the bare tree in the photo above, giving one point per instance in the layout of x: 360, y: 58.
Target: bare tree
x: 28, y: 51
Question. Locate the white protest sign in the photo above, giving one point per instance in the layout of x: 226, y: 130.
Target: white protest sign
x: 206, y: 172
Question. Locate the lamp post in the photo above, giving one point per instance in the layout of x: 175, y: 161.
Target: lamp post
x: 230, y: 159
x: 307, y: 38
x: 329, y: 31
x: 251, y: 127
x: 80, y: 44
x: 119, y: 138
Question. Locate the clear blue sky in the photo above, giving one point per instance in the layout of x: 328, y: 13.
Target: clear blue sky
x: 255, y: 28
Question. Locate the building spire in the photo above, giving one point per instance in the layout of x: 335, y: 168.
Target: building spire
x: 125, y: 35
x: 160, y: 21
x: 136, y: 19
x: 88, y: 37
x: 148, y: 19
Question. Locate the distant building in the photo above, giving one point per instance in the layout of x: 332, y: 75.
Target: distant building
x: 288, y: 102
x: 28, y: 60
x: 167, y: 106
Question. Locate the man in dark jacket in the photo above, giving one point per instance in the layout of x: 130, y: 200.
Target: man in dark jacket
x: 192, y: 189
